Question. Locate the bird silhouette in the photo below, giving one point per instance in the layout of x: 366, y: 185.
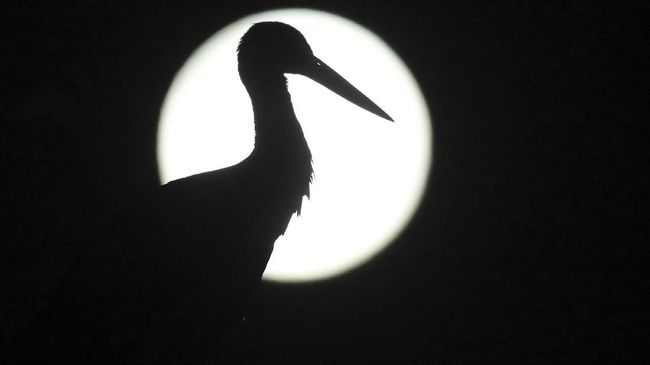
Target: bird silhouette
x: 163, y: 279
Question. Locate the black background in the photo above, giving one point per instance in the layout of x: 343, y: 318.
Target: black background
x: 529, y: 246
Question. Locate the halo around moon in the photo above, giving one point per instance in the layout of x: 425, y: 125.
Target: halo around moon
x: 370, y: 174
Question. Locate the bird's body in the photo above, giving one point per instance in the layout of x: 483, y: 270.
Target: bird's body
x: 161, y: 281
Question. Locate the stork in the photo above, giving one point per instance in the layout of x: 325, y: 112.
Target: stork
x: 160, y: 282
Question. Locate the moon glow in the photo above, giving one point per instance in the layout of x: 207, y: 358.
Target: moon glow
x: 369, y: 174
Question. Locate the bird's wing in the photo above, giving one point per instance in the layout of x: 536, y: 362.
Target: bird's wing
x: 163, y: 276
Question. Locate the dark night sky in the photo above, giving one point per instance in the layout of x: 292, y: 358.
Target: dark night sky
x: 529, y: 246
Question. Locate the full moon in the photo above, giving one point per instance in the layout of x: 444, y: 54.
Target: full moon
x: 369, y: 173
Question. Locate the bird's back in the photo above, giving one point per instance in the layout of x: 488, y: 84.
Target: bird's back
x: 162, y: 280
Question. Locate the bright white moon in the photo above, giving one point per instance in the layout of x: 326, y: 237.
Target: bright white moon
x: 369, y: 173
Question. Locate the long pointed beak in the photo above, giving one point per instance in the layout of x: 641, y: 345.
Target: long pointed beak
x: 320, y: 72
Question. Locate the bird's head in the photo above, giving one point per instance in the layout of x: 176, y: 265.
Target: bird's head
x: 272, y: 49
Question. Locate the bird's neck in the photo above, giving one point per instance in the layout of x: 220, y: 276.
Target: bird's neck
x: 280, y: 145
x: 273, y: 111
